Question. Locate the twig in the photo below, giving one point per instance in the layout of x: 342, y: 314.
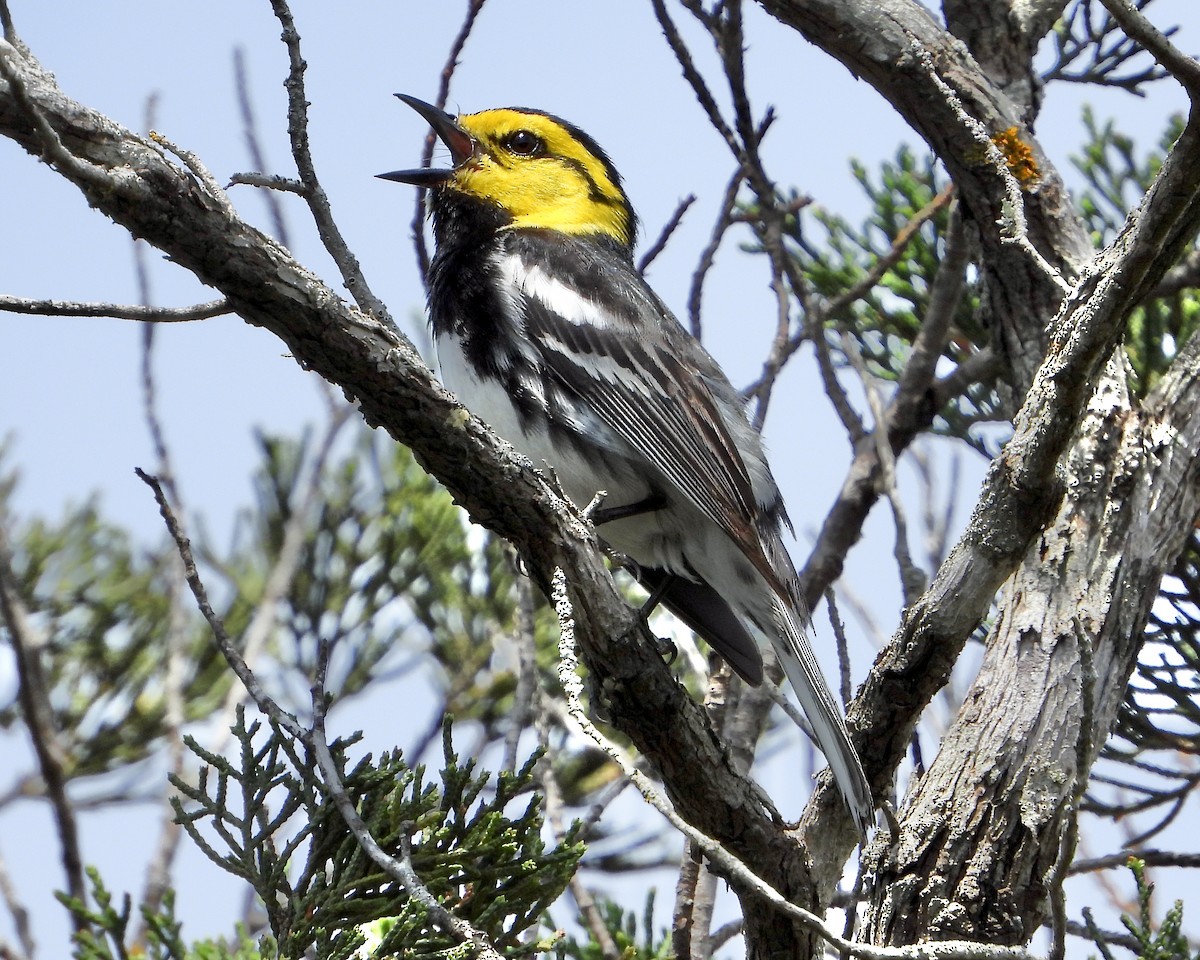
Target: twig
x: 201, y: 172
x: 696, y: 80
x: 945, y: 295
x: 846, y: 684
x: 34, y: 696
x: 1184, y: 68
x: 117, y: 311
x: 456, y: 47
x: 709, y: 253
x: 912, y: 579
x: 1153, y: 858
x: 551, y: 791
x: 53, y: 150
x: 664, y: 235
x: 904, y: 236
x: 814, y: 330
x: 270, y: 181
x: 1103, y: 938
x: 19, y: 914
x: 253, y: 146
x: 282, y: 718
x: 318, y: 201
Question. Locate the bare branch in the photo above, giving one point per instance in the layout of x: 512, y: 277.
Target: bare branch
x: 709, y: 253
x: 1184, y: 68
x: 664, y: 235
x: 318, y: 201
x: 912, y: 580
x: 879, y: 269
x: 33, y: 694
x: 284, y: 720
x: 117, y: 311
x: 270, y: 182
x: 1153, y: 858
x: 254, y: 146
x: 431, y: 140
x: 1106, y: 48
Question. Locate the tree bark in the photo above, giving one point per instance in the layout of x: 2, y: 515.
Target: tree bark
x: 984, y: 831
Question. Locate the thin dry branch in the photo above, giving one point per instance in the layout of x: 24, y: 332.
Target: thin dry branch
x: 117, y: 311
x: 315, y: 196
x: 420, y: 248
x: 1137, y: 27
x: 33, y: 694
x: 254, y: 144
x: 664, y: 235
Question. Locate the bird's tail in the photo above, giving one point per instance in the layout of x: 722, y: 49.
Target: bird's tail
x: 804, y: 674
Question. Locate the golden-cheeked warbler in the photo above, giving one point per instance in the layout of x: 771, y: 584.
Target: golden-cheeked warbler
x: 545, y: 329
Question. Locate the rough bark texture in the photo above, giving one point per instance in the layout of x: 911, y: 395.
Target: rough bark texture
x: 984, y: 828
x: 981, y: 832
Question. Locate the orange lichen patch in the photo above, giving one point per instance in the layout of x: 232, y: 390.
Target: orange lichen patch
x: 1018, y: 155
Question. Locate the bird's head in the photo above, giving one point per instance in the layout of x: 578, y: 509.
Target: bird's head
x: 537, y: 170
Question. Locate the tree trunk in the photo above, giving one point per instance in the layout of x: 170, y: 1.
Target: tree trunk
x: 983, y: 830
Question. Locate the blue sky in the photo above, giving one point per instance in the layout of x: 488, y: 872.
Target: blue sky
x: 69, y: 389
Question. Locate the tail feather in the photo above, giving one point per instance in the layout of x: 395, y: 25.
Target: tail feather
x: 804, y: 674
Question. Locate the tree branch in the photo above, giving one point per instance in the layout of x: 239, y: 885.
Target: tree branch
x: 118, y: 311
x: 1183, y: 68
x: 34, y: 697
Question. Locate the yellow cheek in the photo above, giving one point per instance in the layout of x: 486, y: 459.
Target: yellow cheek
x: 520, y: 191
x: 548, y: 196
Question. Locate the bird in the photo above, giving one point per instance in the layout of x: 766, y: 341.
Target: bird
x: 545, y: 329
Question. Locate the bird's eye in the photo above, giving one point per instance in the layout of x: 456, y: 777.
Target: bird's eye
x: 523, y: 142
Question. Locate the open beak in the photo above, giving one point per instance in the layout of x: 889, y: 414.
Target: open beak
x: 462, y: 147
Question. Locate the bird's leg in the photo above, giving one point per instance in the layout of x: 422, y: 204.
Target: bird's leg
x: 666, y: 648
x: 600, y: 515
